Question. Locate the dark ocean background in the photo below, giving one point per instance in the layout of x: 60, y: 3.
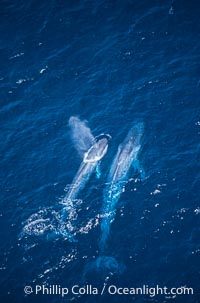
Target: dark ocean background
x: 110, y: 63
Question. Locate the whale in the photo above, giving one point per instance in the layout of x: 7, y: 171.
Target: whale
x: 90, y: 162
x: 126, y: 156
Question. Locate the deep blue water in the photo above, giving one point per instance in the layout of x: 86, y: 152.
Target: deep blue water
x: 110, y: 63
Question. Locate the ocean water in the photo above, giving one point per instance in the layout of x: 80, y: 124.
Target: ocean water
x: 110, y: 63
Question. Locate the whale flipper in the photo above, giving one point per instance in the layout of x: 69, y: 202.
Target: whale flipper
x: 98, y: 171
x: 139, y: 169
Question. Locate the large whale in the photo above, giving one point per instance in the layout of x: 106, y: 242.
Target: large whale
x: 90, y: 162
x: 126, y: 156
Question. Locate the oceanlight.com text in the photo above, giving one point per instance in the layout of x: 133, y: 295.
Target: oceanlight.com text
x: 107, y: 290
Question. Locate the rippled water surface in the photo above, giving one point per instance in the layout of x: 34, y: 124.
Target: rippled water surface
x: 111, y: 63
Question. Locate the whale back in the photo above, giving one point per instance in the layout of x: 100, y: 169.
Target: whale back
x: 127, y: 152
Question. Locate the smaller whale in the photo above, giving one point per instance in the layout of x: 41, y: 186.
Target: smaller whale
x: 126, y: 156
